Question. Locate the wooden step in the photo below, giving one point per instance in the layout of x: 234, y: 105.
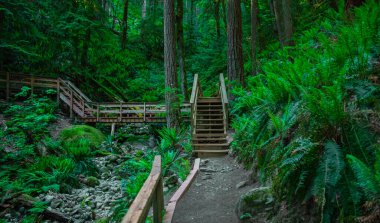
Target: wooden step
x: 209, y: 130
x: 209, y: 134
x: 209, y: 120
x: 211, y: 144
x: 209, y: 124
x: 210, y: 151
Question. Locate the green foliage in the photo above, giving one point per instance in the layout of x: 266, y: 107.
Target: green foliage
x: 307, y: 110
x: 79, y: 134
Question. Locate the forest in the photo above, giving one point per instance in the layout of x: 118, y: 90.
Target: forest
x: 281, y: 95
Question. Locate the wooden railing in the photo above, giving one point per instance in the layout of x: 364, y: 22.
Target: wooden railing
x: 224, y: 97
x: 85, y: 108
x: 151, y: 194
x: 195, y: 94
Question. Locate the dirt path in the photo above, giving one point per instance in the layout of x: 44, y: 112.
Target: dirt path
x: 213, y: 195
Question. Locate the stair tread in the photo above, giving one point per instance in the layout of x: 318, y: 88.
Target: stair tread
x: 211, y: 151
x: 210, y: 134
x: 209, y: 124
x: 211, y: 144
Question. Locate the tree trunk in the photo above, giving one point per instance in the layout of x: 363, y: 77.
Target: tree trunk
x: 254, y: 35
x: 217, y: 18
x: 224, y: 13
x: 288, y: 24
x: 143, y: 18
x: 181, y: 49
x: 191, y: 21
x: 171, y: 82
x: 277, y: 8
x: 86, y: 41
x: 283, y: 14
x: 235, y: 49
x: 124, y: 34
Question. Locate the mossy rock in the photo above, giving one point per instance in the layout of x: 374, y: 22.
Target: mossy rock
x: 92, y: 181
x: 76, y: 133
x: 257, y: 204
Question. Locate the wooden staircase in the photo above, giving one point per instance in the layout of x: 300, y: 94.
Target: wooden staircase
x: 209, y: 121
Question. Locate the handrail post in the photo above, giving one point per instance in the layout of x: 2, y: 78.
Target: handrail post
x: 158, y: 202
x: 97, y: 112
x: 144, y: 111
x: 58, y: 91
x: 8, y: 87
x: 121, y: 112
x: 32, y: 85
x: 71, y: 104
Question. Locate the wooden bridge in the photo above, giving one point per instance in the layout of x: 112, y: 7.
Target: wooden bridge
x: 83, y: 108
x: 209, y: 122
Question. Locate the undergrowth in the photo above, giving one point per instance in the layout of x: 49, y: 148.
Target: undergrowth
x: 308, y: 120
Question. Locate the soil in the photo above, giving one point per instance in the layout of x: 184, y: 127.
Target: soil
x: 214, y: 193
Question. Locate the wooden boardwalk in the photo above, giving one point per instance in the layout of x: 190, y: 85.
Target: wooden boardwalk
x: 83, y: 107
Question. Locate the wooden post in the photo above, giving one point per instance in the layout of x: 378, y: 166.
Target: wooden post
x: 158, y: 203
x: 71, y: 104
x: 58, y: 91
x: 32, y: 85
x: 144, y: 111
x: 97, y: 112
x: 8, y: 87
x: 121, y: 112
x: 113, y: 129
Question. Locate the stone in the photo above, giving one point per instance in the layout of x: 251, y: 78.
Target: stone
x: 91, y: 181
x: 48, y: 198
x: 206, y: 177
x: 257, y: 202
x: 198, y: 184
x: 55, y: 204
x: 241, y: 184
x: 166, y: 189
x: 203, y: 169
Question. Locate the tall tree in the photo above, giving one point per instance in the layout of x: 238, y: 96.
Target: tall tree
x: 235, y: 49
x: 282, y: 11
x: 254, y: 35
x: 124, y: 32
x: 171, y: 82
x: 181, y: 49
x: 217, y: 18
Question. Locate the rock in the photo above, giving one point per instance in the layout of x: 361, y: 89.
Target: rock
x: 206, y: 177
x: 241, y: 184
x: 112, y: 158
x: 103, y: 169
x: 48, y: 198
x: 203, y: 169
x: 55, y: 204
x: 91, y: 181
x: 204, y: 162
x: 257, y: 202
x: 166, y: 189
x: 198, y: 184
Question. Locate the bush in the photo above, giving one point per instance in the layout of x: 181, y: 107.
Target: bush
x: 76, y: 133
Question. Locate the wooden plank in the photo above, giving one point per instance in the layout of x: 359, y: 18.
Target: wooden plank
x: 139, y: 209
x: 194, y: 90
x: 170, y: 208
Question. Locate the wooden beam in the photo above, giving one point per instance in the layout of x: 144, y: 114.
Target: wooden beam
x: 170, y: 208
x: 139, y: 209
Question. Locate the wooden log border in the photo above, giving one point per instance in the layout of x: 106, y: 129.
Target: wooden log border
x: 170, y: 208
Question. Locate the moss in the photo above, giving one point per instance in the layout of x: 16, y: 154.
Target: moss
x: 92, y: 181
x: 77, y: 132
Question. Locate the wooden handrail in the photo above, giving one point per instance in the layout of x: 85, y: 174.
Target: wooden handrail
x: 224, y: 97
x: 150, y: 194
x: 194, y: 89
x: 195, y: 94
x: 170, y: 208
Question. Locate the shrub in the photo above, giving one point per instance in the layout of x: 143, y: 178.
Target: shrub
x: 74, y: 134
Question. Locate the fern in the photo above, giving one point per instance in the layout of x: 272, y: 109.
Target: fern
x: 366, y: 179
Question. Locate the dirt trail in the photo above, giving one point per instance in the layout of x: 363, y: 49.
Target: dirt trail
x: 214, y: 193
